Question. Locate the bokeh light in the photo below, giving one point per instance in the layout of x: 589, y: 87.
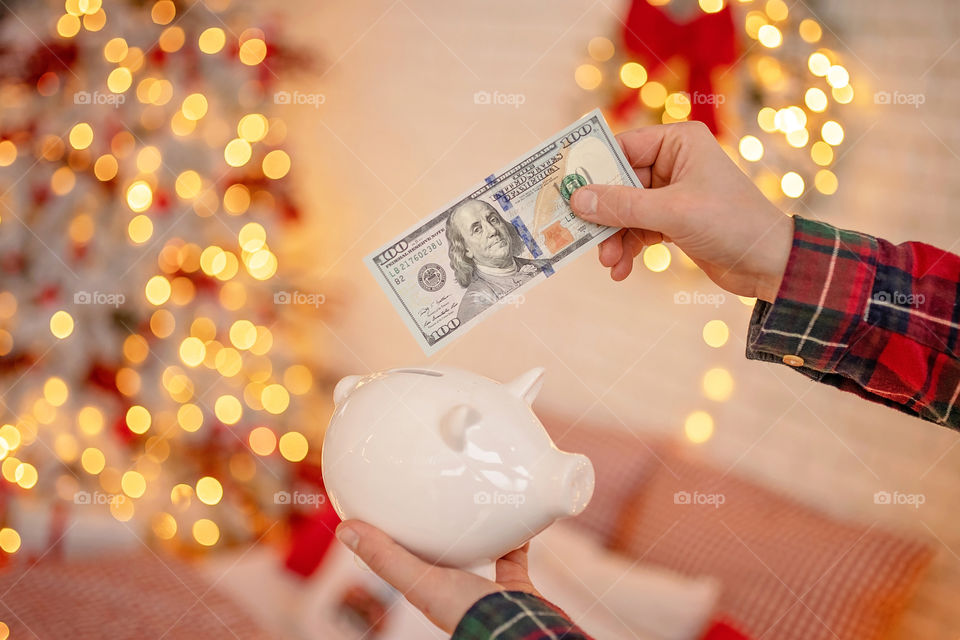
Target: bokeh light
x: 633, y: 75
x: 698, y: 427
x: 206, y: 532
x: 228, y: 409
x: 832, y: 132
x: 253, y: 51
x: 792, y: 184
x: 61, y: 324
x: 588, y: 77
x: 600, y: 49
x: 293, y: 446
x: 751, y: 148
x: 212, y: 40
x: 209, y: 490
x: 81, y: 135
x: 716, y: 333
x: 10, y: 543
x: 718, y: 384
x: 656, y: 257
x: 262, y: 441
x: 769, y: 36
x: 139, y: 196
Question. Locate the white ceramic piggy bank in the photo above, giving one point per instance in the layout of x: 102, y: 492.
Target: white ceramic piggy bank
x: 454, y: 466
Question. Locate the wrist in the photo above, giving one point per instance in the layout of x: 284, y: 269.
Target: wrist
x: 777, y: 255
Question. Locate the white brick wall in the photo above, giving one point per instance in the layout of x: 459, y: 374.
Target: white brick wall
x: 399, y: 122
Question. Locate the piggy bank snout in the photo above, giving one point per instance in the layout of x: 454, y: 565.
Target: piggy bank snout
x: 577, y: 480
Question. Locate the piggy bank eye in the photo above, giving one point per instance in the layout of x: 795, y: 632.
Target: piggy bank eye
x: 454, y: 425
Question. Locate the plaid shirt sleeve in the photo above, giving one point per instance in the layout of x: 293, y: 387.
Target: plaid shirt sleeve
x: 511, y: 615
x: 867, y: 316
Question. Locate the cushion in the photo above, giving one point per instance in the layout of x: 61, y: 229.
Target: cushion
x: 612, y: 596
x: 788, y: 571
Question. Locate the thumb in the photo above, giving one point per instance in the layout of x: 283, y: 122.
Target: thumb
x: 385, y: 557
x: 443, y: 595
x: 512, y: 572
x: 625, y: 206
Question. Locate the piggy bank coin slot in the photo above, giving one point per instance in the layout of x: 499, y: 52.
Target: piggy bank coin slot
x: 419, y: 372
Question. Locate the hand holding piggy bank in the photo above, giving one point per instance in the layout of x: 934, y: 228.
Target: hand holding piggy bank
x: 452, y: 465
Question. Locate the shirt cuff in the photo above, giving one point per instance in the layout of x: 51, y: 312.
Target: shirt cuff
x: 821, y: 301
x: 514, y: 614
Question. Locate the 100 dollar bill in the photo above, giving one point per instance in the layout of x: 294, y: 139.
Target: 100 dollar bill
x: 511, y: 231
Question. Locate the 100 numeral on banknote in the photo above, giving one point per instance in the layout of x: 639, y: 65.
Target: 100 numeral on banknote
x: 514, y: 229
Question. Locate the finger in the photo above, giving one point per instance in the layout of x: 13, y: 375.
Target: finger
x: 442, y: 594
x: 611, y: 249
x: 649, y: 238
x: 385, y: 557
x: 512, y: 571
x: 632, y: 245
x: 644, y: 173
x: 656, y: 153
x: 625, y: 206
x: 642, y: 146
x: 518, y: 557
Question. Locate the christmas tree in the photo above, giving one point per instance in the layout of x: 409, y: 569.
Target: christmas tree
x: 146, y: 352
x: 761, y: 74
x: 766, y: 79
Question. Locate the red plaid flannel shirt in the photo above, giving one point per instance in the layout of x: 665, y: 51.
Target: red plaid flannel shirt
x: 867, y: 316
x: 506, y: 615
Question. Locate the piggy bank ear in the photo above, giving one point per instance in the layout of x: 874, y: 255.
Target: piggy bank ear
x: 454, y: 425
x: 527, y: 386
x: 344, y: 387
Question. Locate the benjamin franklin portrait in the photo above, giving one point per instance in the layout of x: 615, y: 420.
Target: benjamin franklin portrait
x: 485, y: 256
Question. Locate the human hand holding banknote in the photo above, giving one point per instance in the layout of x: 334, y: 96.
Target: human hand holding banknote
x: 507, y: 233
x: 699, y: 200
x: 521, y: 224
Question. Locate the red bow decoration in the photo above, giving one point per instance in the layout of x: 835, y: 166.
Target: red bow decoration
x: 707, y: 42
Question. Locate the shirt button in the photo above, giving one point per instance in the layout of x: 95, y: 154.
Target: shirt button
x: 792, y: 360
